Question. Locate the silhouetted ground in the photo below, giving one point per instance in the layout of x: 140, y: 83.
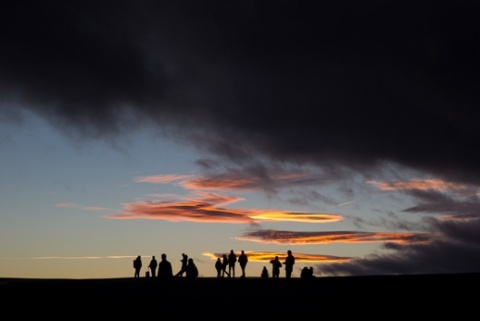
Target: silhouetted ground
x: 210, y: 298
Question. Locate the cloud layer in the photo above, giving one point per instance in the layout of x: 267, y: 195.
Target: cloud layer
x: 350, y: 84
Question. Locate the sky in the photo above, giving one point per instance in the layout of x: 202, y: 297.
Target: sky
x: 346, y: 132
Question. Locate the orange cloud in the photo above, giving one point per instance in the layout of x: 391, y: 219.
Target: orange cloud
x: 419, y: 184
x: 162, y: 179
x: 290, y: 237
x: 464, y: 217
x: 206, y: 207
x: 194, y: 210
x: 193, y: 182
x: 299, y: 257
x: 218, y: 183
x: 297, y: 217
x: 233, y: 180
x: 95, y: 208
x: 209, y: 207
x: 66, y: 204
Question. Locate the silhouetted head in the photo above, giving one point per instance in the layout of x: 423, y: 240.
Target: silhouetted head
x: 289, y: 252
x: 164, y: 256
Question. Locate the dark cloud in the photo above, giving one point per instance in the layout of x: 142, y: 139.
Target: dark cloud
x: 440, y: 203
x: 456, y: 250
x: 453, y: 248
x: 351, y: 83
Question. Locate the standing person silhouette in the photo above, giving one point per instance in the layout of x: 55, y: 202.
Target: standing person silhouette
x: 191, y: 271
x: 224, y: 265
x: 243, y: 260
x: 276, y: 265
x: 165, y: 271
x: 232, y: 259
x: 137, y: 265
x: 219, y: 267
x: 305, y: 273
x: 289, y: 262
x: 183, y: 268
x: 153, y: 266
x: 264, y: 274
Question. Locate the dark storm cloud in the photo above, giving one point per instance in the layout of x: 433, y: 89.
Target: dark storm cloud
x: 440, y: 203
x: 456, y: 250
x: 306, y: 82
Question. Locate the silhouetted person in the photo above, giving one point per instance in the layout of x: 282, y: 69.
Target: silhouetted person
x: 276, y: 265
x: 224, y: 265
x: 243, y: 260
x: 219, y: 267
x: 305, y: 274
x: 264, y: 274
x: 232, y: 259
x: 165, y: 271
x: 183, y: 268
x: 153, y: 266
x: 289, y: 262
x: 191, y: 271
x: 137, y: 265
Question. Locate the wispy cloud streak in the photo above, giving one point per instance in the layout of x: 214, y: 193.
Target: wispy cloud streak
x: 114, y: 257
x: 265, y: 257
x: 419, y: 184
x: 207, y: 208
x: 305, y: 238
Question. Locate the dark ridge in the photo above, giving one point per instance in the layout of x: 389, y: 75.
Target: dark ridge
x: 210, y: 296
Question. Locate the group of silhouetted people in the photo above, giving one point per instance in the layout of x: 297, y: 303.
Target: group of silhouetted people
x: 307, y: 273
x: 229, y: 261
x: 225, y: 267
x: 276, y: 265
x: 164, y: 270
